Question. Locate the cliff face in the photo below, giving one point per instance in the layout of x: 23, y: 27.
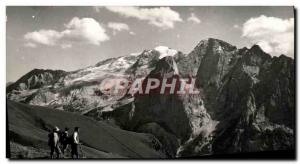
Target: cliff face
x: 246, y: 101
x: 251, y: 95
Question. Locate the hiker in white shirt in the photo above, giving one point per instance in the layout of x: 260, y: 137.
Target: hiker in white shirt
x: 53, y: 142
x: 75, y: 143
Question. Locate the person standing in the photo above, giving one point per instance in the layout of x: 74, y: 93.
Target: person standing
x: 64, y: 140
x: 75, y: 143
x: 53, y: 142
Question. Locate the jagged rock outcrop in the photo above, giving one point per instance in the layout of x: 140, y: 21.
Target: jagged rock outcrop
x: 25, y: 88
x: 36, y: 79
x: 144, y: 64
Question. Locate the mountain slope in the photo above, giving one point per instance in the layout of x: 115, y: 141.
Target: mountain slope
x: 29, y: 126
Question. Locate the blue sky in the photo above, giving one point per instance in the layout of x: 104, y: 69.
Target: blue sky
x: 70, y: 38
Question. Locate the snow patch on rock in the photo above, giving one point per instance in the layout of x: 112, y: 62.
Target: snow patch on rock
x: 165, y: 51
x: 135, y: 54
x: 114, y: 68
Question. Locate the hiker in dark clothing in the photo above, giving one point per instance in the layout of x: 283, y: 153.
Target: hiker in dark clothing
x: 64, y: 140
x: 53, y: 142
x: 75, y: 143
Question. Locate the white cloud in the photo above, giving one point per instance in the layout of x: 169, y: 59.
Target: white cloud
x: 29, y: 44
x: 45, y: 37
x: 193, y: 18
x: 274, y: 35
x: 85, y: 30
x: 163, y: 17
x: 117, y: 27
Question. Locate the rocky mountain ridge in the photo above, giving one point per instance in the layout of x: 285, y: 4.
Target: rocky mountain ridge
x: 247, y: 100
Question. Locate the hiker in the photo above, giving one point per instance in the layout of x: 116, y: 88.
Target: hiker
x: 53, y: 142
x: 75, y: 143
x: 64, y: 140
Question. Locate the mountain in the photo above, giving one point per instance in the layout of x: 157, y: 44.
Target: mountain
x: 249, y: 93
x: 9, y: 83
x: 246, y: 100
x: 77, y: 90
x: 25, y: 88
x: 37, y: 78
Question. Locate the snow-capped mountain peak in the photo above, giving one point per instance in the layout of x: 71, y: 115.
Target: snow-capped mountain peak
x: 165, y: 51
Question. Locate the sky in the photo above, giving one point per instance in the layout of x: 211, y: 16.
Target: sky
x: 70, y: 38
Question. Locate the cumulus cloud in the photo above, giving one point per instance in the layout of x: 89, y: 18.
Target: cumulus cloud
x: 274, y: 35
x: 45, y: 37
x: 117, y: 27
x: 85, y: 30
x: 193, y: 18
x: 163, y: 17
